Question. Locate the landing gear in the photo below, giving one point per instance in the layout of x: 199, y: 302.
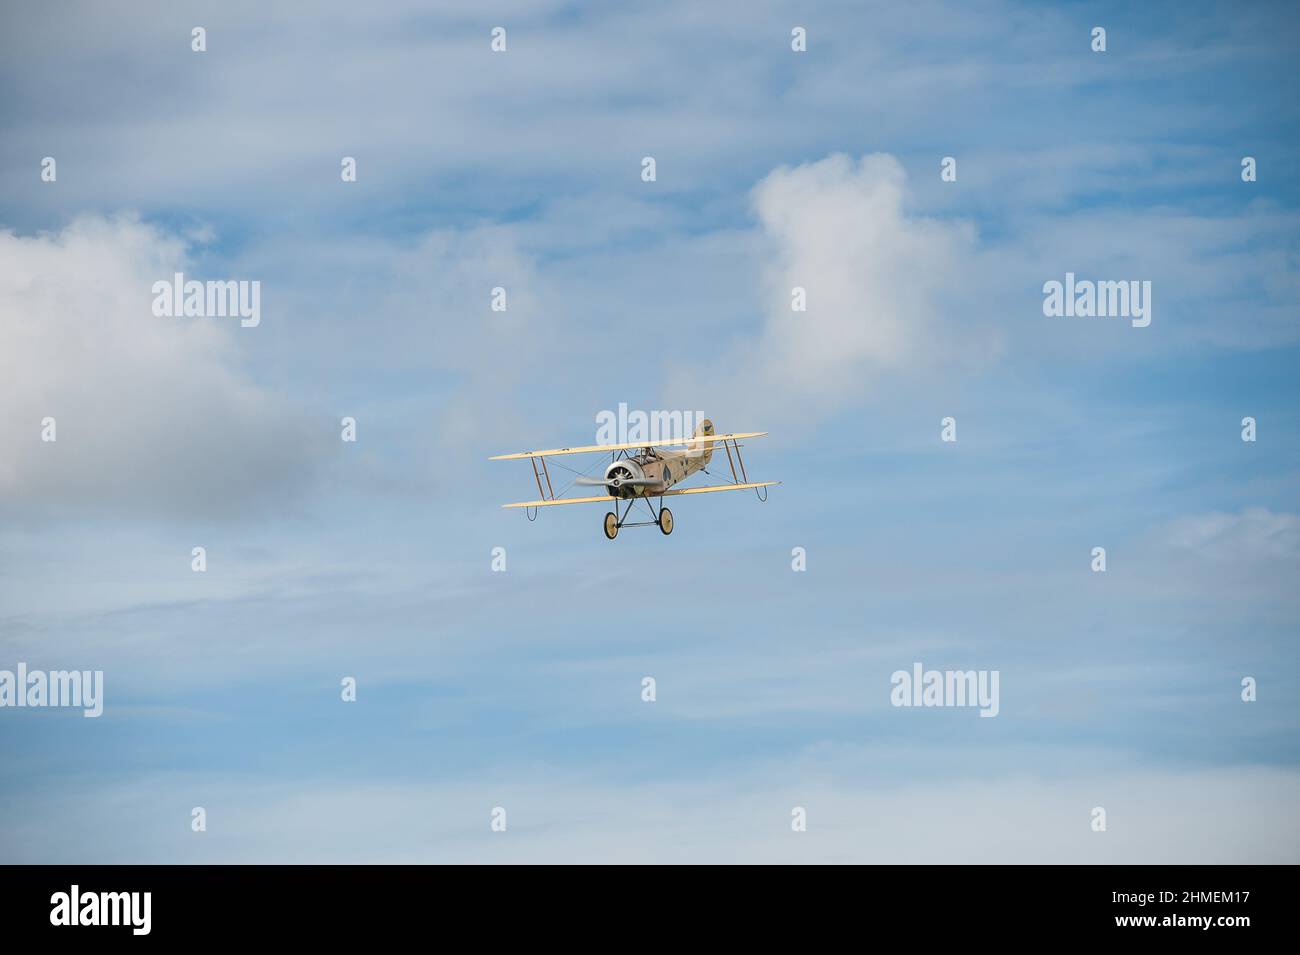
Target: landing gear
x: 662, y: 519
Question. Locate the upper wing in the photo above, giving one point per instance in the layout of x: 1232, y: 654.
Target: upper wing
x: 685, y: 490
x: 627, y: 447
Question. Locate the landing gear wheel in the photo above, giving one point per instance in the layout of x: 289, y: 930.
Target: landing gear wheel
x: 611, y: 525
x: 665, y: 521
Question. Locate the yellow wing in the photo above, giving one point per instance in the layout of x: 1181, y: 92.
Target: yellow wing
x: 626, y: 447
x: 685, y: 490
x: 718, y: 487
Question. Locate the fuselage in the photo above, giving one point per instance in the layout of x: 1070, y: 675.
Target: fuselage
x: 652, y: 471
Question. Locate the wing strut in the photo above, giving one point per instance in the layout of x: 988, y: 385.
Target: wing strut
x: 538, y: 475
x: 733, y: 445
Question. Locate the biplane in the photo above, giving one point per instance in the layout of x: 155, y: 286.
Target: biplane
x: 641, y: 471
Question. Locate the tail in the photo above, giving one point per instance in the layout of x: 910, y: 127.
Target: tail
x: 701, y: 447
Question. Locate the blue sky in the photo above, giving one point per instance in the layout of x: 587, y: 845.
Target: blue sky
x: 522, y: 689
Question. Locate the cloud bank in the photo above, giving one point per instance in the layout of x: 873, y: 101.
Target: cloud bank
x: 150, y: 414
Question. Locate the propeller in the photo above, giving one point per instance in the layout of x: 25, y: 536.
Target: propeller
x: 618, y: 477
x: 614, y: 482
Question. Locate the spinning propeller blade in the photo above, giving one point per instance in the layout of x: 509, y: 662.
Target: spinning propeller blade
x: 620, y: 482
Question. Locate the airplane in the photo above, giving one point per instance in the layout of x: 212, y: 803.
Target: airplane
x: 649, y: 473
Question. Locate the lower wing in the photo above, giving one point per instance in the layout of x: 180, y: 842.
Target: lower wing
x: 685, y: 490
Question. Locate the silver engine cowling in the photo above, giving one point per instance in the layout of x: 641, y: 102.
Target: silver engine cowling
x: 624, y: 478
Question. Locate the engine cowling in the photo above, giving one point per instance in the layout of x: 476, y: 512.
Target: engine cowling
x: 620, y: 473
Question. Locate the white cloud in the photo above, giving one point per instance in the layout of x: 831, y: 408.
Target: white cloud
x: 1256, y: 534
x: 881, y: 283
x: 152, y: 413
